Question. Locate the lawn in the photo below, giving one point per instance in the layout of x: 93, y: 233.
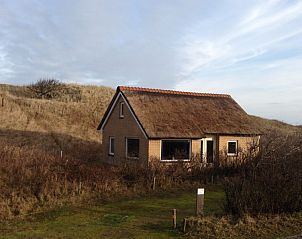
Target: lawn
x: 142, y: 217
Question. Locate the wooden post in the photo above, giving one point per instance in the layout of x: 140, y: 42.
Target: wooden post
x: 174, y: 218
x: 184, y: 225
x: 2, y: 101
x: 80, y: 187
x: 199, y: 202
x: 154, y: 181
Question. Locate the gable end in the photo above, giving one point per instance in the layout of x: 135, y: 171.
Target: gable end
x: 112, y: 106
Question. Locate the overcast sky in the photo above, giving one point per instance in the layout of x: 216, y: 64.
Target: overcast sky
x: 249, y: 49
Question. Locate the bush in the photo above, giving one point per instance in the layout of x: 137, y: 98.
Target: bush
x: 30, y: 179
x: 270, y: 182
x: 46, y: 88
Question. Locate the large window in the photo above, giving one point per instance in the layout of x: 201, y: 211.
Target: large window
x: 175, y: 149
x: 111, y: 145
x: 132, y: 148
x: 232, y: 147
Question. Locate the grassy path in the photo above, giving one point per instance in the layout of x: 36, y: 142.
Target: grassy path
x: 146, y: 217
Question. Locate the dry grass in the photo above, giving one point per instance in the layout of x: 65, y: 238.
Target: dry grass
x: 66, y: 123
x: 267, y: 126
x: 31, y: 179
x: 246, y: 227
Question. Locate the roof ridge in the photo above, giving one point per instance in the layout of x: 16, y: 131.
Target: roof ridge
x: 171, y: 92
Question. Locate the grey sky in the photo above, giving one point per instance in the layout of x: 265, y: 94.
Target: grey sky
x: 250, y: 49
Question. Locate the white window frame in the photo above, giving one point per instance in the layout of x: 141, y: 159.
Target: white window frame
x: 232, y: 141
x: 176, y: 160
x: 110, y: 145
x: 122, y: 108
x: 126, y: 143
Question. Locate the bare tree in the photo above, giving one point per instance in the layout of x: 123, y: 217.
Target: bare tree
x: 46, y: 88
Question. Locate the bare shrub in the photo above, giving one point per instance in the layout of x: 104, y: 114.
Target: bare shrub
x: 31, y: 179
x: 46, y: 88
x: 228, y: 226
x: 269, y: 182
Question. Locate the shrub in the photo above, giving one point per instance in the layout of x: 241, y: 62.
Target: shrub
x: 30, y: 179
x: 270, y: 182
x: 46, y: 88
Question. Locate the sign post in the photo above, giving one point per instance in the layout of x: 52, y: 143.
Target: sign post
x: 199, y: 202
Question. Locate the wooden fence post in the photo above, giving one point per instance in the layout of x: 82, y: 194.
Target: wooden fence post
x: 199, y: 202
x: 184, y: 225
x: 154, y: 181
x: 80, y: 187
x: 174, y: 218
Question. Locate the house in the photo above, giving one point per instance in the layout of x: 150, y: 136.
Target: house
x: 144, y: 124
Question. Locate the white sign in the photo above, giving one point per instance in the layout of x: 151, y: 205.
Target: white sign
x: 200, y: 191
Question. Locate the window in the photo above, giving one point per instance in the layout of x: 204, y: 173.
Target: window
x: 132, y: 148
x: 111, y: 145
x: 122, y: 110
x: 232, y: 147
x: 175, y: 149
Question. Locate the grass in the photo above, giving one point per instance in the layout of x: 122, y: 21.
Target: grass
x: 143, y: 217
x: 53, y: 125
x: 149, y: 217
x: 264, y: 226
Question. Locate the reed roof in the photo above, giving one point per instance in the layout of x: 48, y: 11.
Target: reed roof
x: 177, y: 114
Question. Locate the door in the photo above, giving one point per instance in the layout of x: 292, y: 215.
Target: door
x: 210, y: 151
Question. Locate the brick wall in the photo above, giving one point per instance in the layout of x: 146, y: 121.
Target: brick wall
x: 196, y: 147
x: 120, y: 128
x: 154, y: 149
x: 243, y: 142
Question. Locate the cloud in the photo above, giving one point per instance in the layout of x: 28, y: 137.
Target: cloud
x: 251, y: 49
x: 244, y: 41
x: 5, y: 65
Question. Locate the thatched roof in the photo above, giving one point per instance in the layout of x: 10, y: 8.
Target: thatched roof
x: 175, y: 114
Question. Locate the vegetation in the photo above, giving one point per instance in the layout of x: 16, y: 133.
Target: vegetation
x: 35, y: 176
x: 67, y: 123
x: 269, y: 182
x: 138, y: 217
x: 267, y: 126
x: 246, y: 227
x: 46, y: 88
x: 31, y: 180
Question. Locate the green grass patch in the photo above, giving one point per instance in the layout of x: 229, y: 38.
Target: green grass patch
x: 142, y: 217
